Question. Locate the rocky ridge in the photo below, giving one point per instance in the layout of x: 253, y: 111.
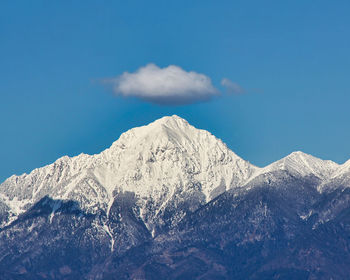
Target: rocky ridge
x: 168, y: 187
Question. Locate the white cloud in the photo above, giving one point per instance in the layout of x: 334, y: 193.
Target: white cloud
x: 167, y: 86
x: 232, y: 87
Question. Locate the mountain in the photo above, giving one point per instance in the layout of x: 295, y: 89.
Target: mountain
x: 171, y: 201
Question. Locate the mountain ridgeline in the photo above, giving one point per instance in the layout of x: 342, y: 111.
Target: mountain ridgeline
x: 169, y: 201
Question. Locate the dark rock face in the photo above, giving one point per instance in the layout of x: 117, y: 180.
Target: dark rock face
x: 37, y: 246
x: 280, y: 229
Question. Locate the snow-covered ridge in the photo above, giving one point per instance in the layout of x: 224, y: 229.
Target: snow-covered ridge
x: 302, y: 164
x: 168, y: 160
x: 165, y: 159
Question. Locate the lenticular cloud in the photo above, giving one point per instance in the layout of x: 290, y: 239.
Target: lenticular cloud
x: 166, y: 86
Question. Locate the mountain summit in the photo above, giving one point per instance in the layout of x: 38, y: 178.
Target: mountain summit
x: 166, y: 159
x: 166, y: 195
x: 303, y: 164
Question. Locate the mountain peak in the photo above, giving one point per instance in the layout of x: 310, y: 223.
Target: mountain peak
x: 171, y: 120
x: 166, y: 123
x: 164, y: 159
x: 168, y: 129
x: 304, y: 164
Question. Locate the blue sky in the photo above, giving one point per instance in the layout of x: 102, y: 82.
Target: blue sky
x: 291, y: 57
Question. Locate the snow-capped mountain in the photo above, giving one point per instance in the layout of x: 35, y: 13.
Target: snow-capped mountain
x: 158, y: 191
x: 164, y: 160
x: 302, y: 164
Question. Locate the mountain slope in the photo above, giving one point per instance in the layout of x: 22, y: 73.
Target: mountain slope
x: 164, y: 164
x: 171, y: 200
x: 302, y: 164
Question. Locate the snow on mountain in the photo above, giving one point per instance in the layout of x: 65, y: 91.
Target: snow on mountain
x: 145, y: 206
x: 164, y: 164
x: 343, y: 169
x: 301, y: 164
x: 339, y: 179
x: 164, y: 159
